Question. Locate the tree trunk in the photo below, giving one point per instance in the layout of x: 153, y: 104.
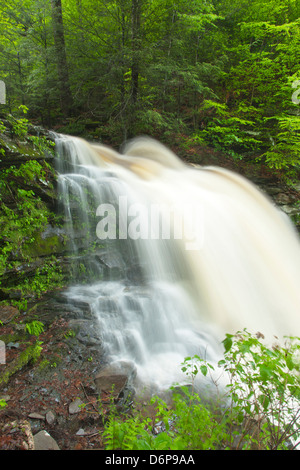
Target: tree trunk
x: 20, y: 78
x: 66, y: 101
x: 135, y: 65
x: 136, y: 29
x: 123, y: 98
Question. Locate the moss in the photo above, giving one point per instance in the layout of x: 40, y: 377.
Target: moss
x: 12, y: 337
x: 44, y: 365
x: 31, y: 353
x: 29, y: 241
x: 44, y: 246
x: 17, y: 149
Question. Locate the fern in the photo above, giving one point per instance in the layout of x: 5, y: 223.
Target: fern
x: 285, y: 153
x: 35, y: 327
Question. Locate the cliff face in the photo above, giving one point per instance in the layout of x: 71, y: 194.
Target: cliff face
x: 31, y: 240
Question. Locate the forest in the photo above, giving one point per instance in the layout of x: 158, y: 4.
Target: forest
x: 218, y: 82
x: 209, y: 72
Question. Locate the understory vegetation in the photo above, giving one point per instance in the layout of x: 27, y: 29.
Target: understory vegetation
x: 259, y: 408
x: 28, y: 265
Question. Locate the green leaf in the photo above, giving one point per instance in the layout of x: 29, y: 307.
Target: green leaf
x: 227, y: 342
x: 265, y: 401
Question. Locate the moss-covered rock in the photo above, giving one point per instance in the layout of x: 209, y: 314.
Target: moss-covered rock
x: 47, y: 243
x: 30, y: 243
x: 31, y: 353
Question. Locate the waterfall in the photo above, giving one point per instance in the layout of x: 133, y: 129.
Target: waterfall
x: 177, y: 256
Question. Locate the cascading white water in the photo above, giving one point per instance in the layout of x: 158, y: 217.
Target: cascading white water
x: 226, y: 260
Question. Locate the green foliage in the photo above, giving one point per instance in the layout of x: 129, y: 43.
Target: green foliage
x: 221, y: 73
x: 189, y: 425
x: 30, y: 354
x: 20, y: 126
x: 23, y: 217
x: 264, y: 388
x: 2, y: 127
x: 35, y: 327
x: 259, y: 408
x: 129, y: 435
x: 47, y: 277
x: 3, y: 404
x: 70, y: 334
x: 193, y: 365
x: 227, y: 130
x: 195, y: 423
x: 285, y: 153
x: 20, y: 226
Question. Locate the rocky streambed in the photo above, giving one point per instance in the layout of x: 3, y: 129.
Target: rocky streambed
x: 60, y: 398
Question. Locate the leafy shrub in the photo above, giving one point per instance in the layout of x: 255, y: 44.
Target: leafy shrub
x: 284, y: 153
x: 260, y: 405
x: 264, y: 389
x: 228, y: 130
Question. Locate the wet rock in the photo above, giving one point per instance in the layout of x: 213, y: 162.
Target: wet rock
x: 112, y: 260
x: 116, y: 380
x: 47, y: 243
x: 43, y: 441
x: 50, y: 417
x: 8, y: 313
x: 36, y: 416
x: 272, y: 190
x: 111, y: 383
x: 79, y: 309
x: 13, y: 345
x: 86, y: 332
x: 283, y: 199
x: 87, y: 432
x: 290, y: 210
x: 75, y: 406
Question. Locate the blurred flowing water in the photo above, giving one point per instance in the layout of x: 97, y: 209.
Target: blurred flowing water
x: 175, y: 256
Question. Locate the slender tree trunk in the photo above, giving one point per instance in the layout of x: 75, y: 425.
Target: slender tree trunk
x: 136, y: 30
x: 170, y: 41
x: 20, y: 78
x: 135, y: 64
x: 123, y: 99
x: 46, y: 112
x: 66, y: 100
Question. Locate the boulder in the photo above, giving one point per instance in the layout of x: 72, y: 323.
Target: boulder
x: 75, y: 406
x: 116, y: 380
x: 111, y: 383
x: 8, y: 313
x: 43, y: 441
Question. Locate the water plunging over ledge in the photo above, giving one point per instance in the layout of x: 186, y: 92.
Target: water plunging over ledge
x: 177, y: 256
